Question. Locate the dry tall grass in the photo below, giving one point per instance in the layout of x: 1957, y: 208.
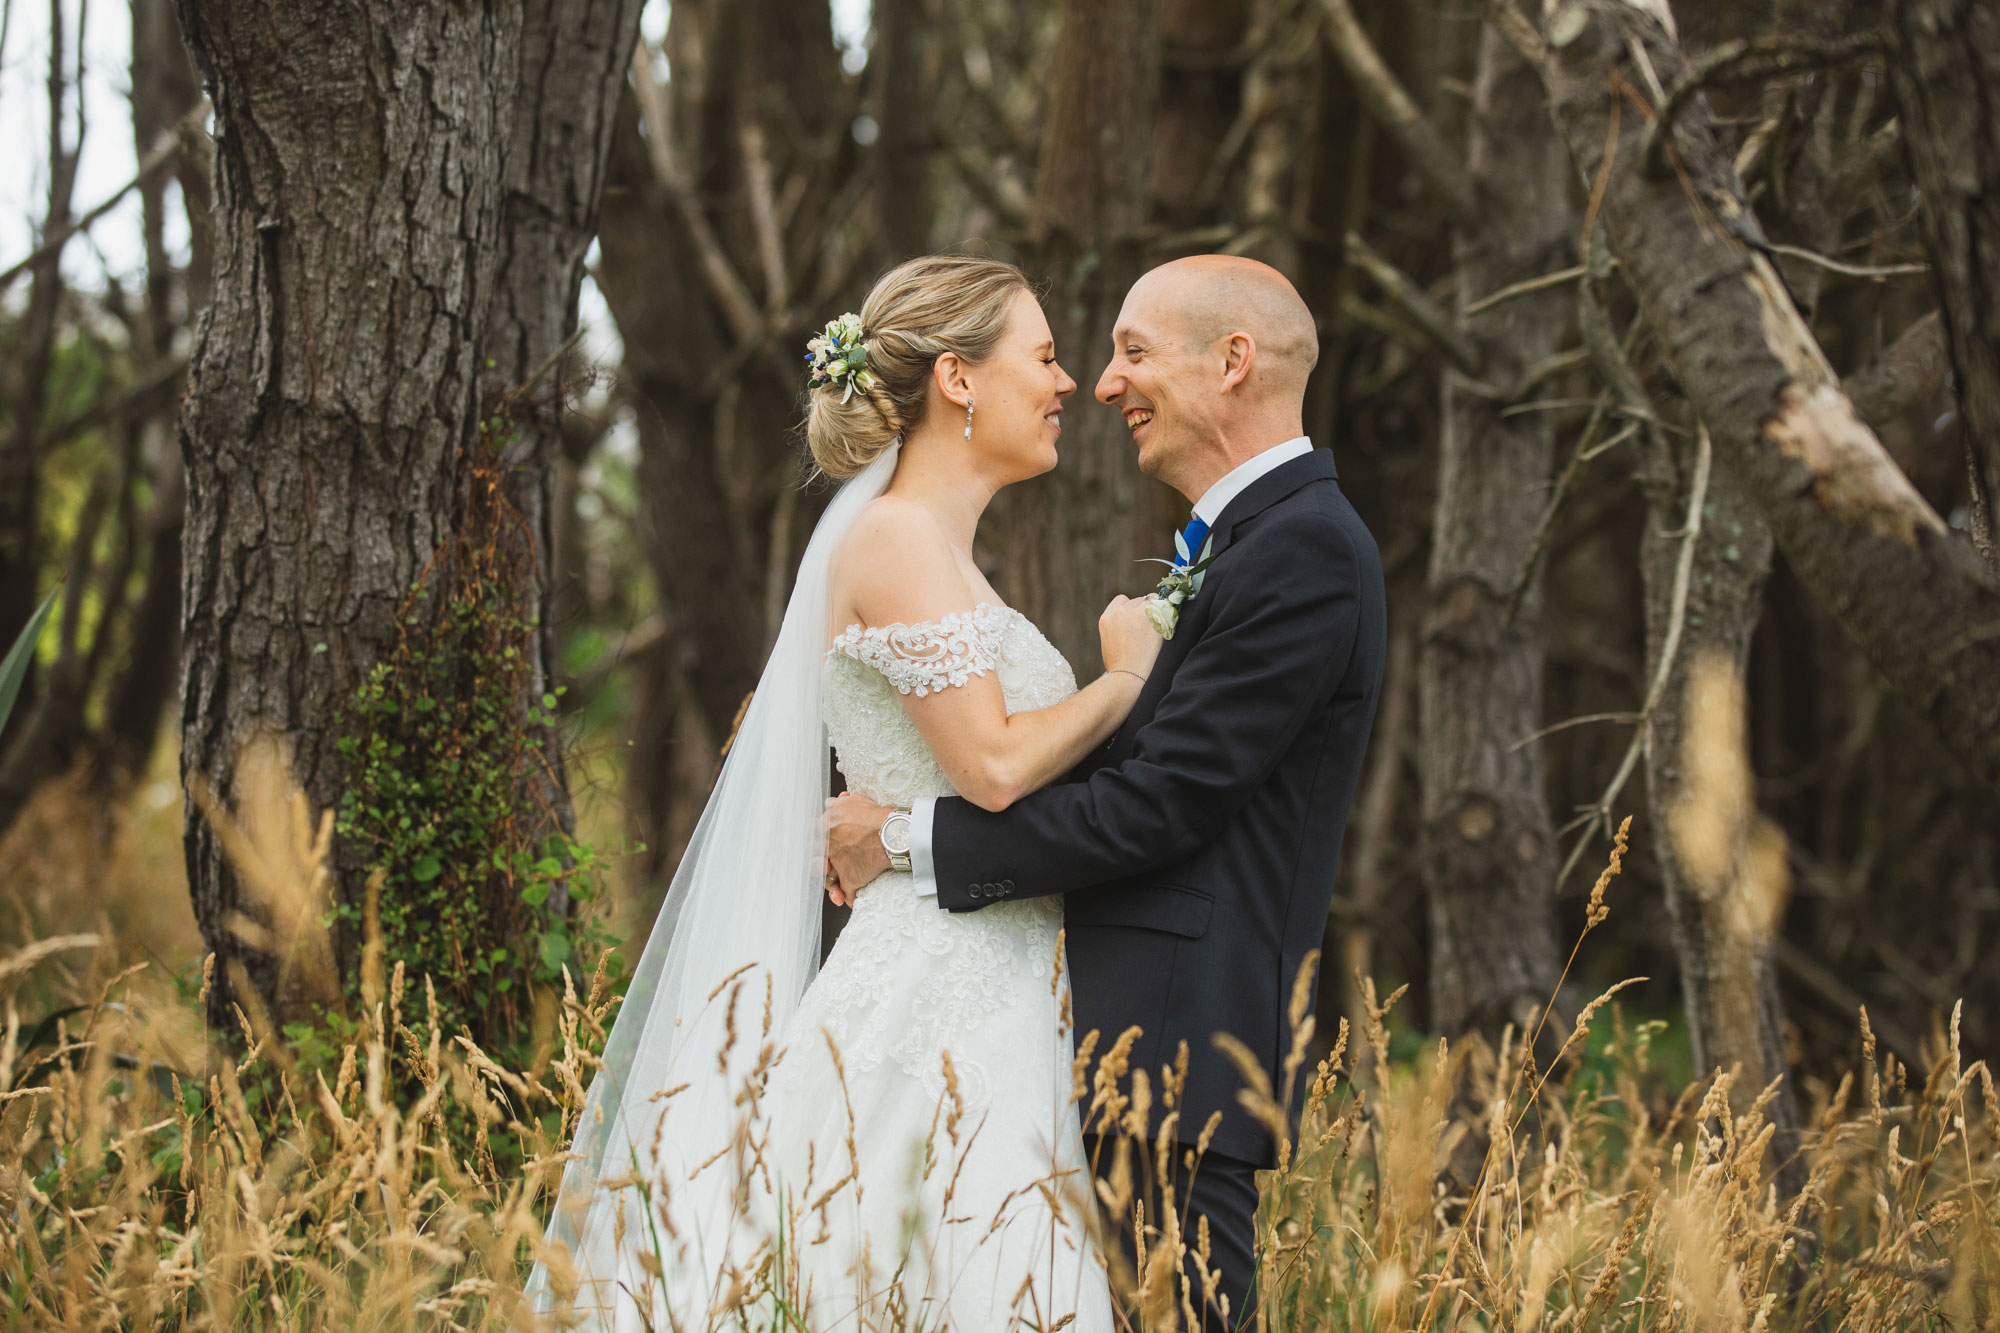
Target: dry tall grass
x: 148, y: 1180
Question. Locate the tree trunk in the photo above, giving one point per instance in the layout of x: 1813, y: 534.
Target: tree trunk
x: 1725, y: 909
x: 902, y: 76
x: 1913, y: 595
x: 328, y: 418
x: 1489, y: 849
x: 1066, y: 540
x: 574, y: 53
x: 710, y: 319
x: 1945, y: 67
x: 164, y: 91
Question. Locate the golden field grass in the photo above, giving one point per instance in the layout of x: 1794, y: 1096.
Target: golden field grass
x: 152, y: 1176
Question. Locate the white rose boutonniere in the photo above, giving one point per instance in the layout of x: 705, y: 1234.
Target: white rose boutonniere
x: 1183, y: 581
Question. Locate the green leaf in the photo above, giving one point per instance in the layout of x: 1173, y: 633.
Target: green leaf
x: 426, y: 869
x: 536, y: 893
x: 555, y: 948
x: 14, y: 669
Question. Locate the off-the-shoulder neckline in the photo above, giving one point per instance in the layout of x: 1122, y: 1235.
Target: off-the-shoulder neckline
x: 854, y: 632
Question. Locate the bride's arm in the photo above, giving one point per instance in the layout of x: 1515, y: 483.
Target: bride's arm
x: 896, y: 568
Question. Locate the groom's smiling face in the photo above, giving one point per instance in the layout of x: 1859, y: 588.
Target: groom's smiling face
x: 1152, y: 380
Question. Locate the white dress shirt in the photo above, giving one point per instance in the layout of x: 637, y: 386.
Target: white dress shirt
x: 923, y: 866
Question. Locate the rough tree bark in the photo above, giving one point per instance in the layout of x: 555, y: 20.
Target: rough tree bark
x: 1945, y: 66
x: 1915, y: 597
x: 1489, y: 846
x: 572, y: 75
x: 1066, y: 540
x: 365, y: 192
x: 1725, y: 909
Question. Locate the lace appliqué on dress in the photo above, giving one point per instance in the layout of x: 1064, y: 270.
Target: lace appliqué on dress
x: 930, y: 656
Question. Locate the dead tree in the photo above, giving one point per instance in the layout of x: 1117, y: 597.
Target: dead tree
x: 366, y: 194
x: 1912, y: 594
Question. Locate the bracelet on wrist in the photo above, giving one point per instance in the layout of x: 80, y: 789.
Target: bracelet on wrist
x: 1126, y: 671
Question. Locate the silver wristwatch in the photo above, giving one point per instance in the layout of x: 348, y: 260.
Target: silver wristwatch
x: 896, y: 839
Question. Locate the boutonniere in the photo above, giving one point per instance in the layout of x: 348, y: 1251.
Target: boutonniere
x: 1183, y: 581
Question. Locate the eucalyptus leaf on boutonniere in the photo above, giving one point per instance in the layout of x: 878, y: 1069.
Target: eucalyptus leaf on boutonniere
x: 1179, y: 587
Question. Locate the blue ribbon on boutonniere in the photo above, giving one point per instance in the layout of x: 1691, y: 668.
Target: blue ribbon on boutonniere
x: 1184, y: 575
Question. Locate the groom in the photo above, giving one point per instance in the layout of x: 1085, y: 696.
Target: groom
x: 1196, y: 851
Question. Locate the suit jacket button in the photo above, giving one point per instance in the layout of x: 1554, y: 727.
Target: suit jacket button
x: 1007, y: 884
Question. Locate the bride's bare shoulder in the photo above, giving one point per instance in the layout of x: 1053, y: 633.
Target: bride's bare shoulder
x: 895, y: 561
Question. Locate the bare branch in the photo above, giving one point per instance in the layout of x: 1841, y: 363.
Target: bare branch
x: 1413, y: 301
x: 1877, y: 272
x: 1852, y: 526
x: 1903, y: 374
x: 1398, y: 112
x: 161, y: 155
x: 998, y: 189
x: 1669, y: 650
x: 764, y: 210
x: 1748, y: 59
x: 1528, y: 288
x: 739, y: 307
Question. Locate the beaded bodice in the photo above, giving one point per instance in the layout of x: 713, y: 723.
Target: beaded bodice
x: 875, y: 743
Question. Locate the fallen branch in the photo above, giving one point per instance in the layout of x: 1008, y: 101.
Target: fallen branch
x: 1901, y: 584
x: 1743, y: 61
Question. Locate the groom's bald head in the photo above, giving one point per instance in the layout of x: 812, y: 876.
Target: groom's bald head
x: 1208, y: 366
x: 1213, y: 296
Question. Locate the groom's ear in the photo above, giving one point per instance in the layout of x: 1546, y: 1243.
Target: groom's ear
x: 1239, y: 353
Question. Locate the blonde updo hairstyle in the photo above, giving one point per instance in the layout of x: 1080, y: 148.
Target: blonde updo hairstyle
x: 919, y: 310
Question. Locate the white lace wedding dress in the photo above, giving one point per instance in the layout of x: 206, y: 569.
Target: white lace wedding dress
x: 947, y: 1109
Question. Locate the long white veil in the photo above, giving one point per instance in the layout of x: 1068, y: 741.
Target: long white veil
x: 739, y: 929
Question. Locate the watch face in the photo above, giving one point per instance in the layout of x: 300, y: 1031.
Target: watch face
x: 896, y: 833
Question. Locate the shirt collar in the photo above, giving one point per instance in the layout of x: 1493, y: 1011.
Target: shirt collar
x: 1238, y: 479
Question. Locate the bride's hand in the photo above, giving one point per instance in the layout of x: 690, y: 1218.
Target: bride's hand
x: 1129, y: 639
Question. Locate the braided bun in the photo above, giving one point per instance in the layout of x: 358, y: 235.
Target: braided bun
x: 917, y: 312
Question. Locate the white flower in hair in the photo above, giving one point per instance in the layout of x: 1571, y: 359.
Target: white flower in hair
x: 838, y: 356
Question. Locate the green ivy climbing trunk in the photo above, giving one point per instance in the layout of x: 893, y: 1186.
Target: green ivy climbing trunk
x: 399, y: 224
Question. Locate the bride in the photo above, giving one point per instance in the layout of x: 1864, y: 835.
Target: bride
x: 890, y: 1143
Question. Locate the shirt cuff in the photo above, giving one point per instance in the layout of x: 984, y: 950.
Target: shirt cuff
x: 923, y: 869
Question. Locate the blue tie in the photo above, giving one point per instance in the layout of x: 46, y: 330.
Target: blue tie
x: 1192, y: 537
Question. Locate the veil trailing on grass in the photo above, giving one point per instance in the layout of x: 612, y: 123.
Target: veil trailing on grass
x: 733, y: 949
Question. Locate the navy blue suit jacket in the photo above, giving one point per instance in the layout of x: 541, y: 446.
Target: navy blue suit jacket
x: 1196, y: 850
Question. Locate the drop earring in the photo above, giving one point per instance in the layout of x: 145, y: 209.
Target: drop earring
x: 968, y: 418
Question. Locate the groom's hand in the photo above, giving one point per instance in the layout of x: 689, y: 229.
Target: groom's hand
x: 853, y: 846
